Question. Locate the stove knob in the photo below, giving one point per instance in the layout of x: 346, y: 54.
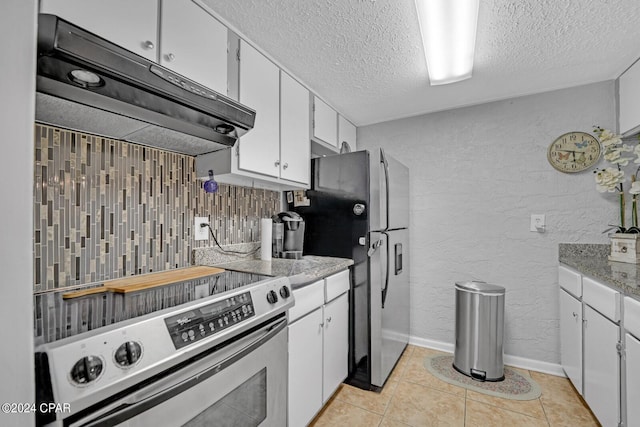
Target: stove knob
x: 284, y: 292
x: 86, y: 370
x: 128, y: 354
x: 272, y: 297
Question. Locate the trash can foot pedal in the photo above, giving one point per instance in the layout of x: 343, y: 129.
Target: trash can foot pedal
x: 478, y: 375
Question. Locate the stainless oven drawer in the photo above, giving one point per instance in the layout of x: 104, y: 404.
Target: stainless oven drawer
x: 244, y: 383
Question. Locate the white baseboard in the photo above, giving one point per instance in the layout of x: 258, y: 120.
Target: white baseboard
x: 435, y: 345
x: 517, y: 361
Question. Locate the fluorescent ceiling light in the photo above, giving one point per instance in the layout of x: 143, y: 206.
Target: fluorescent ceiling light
x: 448, y: 30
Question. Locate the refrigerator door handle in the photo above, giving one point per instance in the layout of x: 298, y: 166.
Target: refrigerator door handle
x: 386, y: 276
x: 374, y: 247
x: 385, y: 167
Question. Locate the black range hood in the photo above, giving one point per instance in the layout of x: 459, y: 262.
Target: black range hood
x: 87, y: 83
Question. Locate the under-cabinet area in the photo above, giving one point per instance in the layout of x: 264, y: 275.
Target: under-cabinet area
x: 599, y: 345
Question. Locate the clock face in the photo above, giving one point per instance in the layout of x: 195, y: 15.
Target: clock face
x: 574, y: 152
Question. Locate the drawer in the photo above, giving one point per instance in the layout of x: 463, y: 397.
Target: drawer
x: 307, y: 299
x: 632, y: 316
x: 602, y: 298
x: 570, y: 281
x: 336, y: 285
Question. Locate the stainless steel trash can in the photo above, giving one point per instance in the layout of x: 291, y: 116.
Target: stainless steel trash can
x: 478, y: 350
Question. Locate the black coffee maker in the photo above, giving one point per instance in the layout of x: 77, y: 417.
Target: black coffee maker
x: 288, y: 235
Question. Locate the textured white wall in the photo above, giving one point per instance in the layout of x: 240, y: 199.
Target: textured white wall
x: 477, y: 173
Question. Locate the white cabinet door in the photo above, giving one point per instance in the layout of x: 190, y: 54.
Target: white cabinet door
x: 130, y: 24
x: 336, y: 344
x: 260, y: 89
x: 193, y: 44
x: 295, y: 144
x: 633, y: 381
x: 629, y: 108
x: 325, y: 122
x: 571, y: 338
x: 346, y: 133
x: 601, y: 366
x: 305, y: 368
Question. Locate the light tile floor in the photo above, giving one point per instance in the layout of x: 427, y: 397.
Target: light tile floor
x: 414, y: 397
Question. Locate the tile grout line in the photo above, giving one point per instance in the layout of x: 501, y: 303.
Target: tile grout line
x: 544, y: 411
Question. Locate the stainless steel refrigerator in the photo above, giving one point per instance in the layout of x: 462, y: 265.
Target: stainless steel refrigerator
x: 358, y: 208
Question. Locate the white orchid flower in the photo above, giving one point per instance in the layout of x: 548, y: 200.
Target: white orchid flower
x: 606, y: 134
x: 613, y: 155
x: 622, y: 161
x: 606, y: 143
x: 607, y: 179
x: 636, y: 151
x: 608, y: 138
x: 635, y: 188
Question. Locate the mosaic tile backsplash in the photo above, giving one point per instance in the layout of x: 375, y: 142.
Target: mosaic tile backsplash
x: 106, y: 209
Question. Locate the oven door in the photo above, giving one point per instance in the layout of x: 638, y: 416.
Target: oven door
x: 242, y: 384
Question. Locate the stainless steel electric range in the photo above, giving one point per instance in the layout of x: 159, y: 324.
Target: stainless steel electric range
x: 187, y: 354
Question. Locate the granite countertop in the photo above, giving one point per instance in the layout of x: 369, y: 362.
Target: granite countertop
x: 301, y: 272
x: 591, y: 260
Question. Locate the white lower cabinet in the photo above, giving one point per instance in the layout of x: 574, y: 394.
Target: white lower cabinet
x: 336, y: 345
x: 305, y: 368
x: 633, y: 381
x: 318, y: 347
x: 601, y: 366
x: 632, y: 360
x: 571, y: 338
x: 590, y: 338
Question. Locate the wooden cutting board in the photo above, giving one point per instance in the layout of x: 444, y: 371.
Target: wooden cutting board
x: 146, y: 281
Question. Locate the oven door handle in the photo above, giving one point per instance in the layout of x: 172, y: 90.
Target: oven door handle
x: 146, y: 399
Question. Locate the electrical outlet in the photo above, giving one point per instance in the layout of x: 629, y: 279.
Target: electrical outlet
x: 201, y: 233
x: 537, y: 223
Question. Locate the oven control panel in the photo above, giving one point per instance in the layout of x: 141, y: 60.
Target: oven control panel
x: 193, y: 325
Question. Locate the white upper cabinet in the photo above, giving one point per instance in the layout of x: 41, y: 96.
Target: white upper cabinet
x: 629, y: 100
x: 295, y: 145
x: 194, y: 44
x: 346, y: 133
x: 259, y: 149
x: 325, y: 122
x: 130, y: 24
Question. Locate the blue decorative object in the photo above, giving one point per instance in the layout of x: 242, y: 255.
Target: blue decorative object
x: 210, y: 186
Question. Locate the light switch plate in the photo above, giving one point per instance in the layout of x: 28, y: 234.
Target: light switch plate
x: 537, y: 223
x: 201, y: 233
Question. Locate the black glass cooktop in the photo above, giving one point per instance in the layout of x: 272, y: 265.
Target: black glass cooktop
x: 56, y: 318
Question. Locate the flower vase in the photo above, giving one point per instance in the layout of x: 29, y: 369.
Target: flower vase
x: 625, y: 248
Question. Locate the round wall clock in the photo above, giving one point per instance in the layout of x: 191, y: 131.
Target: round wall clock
x: 574, y: 152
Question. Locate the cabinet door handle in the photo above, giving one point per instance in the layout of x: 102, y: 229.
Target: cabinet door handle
x: 170, y: 57
x: 148, y: 45
x: 276, y: 163
x: 286, y: 165
x: 575, y: 314
x: 329, y: 319
x: 322, y: 325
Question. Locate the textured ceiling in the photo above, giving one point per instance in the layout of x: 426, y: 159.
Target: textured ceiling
x: 365, y: 57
